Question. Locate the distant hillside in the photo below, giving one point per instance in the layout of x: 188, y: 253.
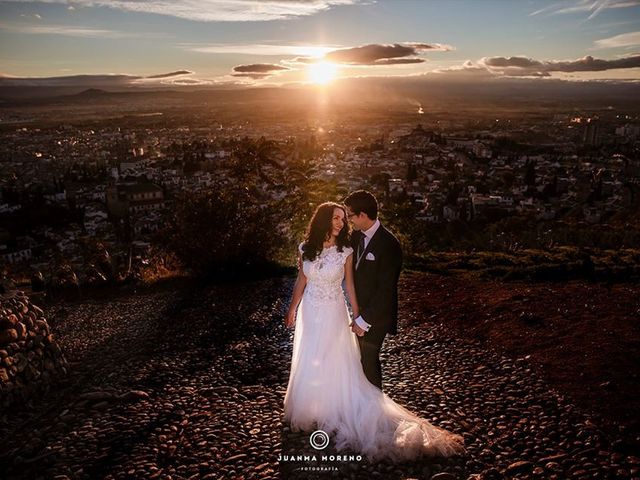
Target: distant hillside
x: 430, y: 91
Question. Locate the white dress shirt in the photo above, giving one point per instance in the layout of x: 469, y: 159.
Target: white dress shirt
x: 368, y: 234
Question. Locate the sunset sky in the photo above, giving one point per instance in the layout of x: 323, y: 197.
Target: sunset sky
x: 281, y: 41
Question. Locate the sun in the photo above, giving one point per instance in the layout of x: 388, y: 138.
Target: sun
x: 322, y: 73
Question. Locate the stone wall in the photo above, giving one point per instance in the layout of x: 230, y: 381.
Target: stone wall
x: 30, y: 358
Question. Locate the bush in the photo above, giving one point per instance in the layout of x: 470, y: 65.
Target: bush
x: 228, y: 230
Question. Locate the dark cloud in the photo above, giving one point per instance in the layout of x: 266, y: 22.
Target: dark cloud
x: 431, y: 46
x: 399, y: 61
x: 503, y: 62
x: 590, y: 64
x: 257, y: 71
x: 519, y: 66
x: 369, y: 54
x: 378, y: 54
x: 259, y: 68
x: 171, y: 74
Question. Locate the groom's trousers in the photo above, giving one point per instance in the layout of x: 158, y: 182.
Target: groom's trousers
x: 370, y: 345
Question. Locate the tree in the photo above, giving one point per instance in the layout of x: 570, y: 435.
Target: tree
x: 508, y: 179
x: 412, y: 172
x: 530, y: 173
x: 223, y: 230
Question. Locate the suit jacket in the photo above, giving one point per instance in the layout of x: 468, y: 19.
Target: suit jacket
x: 376, y: 280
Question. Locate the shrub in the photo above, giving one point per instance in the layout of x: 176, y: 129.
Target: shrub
x: 223, y: 230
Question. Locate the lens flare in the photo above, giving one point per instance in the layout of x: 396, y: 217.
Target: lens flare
x: 322, y: 73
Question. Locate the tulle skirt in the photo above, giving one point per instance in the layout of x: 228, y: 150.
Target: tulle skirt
x: 328, y: 390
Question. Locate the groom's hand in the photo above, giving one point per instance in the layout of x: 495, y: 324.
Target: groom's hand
x: 357, y: 330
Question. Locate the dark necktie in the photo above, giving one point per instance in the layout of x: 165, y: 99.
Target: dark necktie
x: 361, y: 245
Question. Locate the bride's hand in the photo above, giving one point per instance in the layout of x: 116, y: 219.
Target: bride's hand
x: 290, y: 319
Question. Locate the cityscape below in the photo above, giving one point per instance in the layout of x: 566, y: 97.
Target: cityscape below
x: 89, y: 180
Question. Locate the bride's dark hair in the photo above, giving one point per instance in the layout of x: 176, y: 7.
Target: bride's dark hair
x: 320, y: 228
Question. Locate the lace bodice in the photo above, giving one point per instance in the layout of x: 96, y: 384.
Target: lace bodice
x: 325, y: 275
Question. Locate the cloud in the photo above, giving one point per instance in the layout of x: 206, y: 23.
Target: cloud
x: 303, y: 60
x: 96, y: 81
x: 378, y: 54
x: 594, y: 7
x: 505, y: 67
x: 191, y: 81
x: 85, y: 32
x: 254, y: 76
x: 181, y: 81
x: 399, y: 61
x: 260, y: 49
x: 257, y: 71
x: 106, y: 80
x: 590, y: 64
x: 468, y: 69
x: 259, y: 68
x: 513, y: 72
x: 623, y: 40
x: 523, y: 66
x: 431, y: 46
x: 520, y: 62
x: 171, y: 74
x: 627, y: 55
x: 216, y: 10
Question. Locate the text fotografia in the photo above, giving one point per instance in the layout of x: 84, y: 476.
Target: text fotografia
x: 322, y: 458
x: 318, y: 469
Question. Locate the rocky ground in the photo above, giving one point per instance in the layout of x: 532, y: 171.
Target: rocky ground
x: 188, y: 382
x: 583, y: 337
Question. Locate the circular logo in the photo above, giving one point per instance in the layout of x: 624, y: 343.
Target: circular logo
x: 319, y: 439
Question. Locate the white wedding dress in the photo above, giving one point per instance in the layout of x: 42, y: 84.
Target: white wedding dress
x: 328, y: 389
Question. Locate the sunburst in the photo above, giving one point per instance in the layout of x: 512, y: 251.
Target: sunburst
x: 322, y: 73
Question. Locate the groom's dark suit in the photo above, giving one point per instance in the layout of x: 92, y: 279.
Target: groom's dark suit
x: 376, y: 281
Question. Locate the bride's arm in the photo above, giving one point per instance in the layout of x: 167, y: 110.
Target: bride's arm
x: 350, y: 286
x: 298, y: 290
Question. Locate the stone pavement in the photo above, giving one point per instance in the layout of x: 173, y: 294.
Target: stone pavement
x: 189, y: 384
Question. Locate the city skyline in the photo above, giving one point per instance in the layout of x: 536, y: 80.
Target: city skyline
x: 279, y: 42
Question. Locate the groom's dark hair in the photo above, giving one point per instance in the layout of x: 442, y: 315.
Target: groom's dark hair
x: 363, y: 201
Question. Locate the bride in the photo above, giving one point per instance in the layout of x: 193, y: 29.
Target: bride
x: 327, y: 386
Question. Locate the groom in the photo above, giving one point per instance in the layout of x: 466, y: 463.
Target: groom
x: 377, y: 264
